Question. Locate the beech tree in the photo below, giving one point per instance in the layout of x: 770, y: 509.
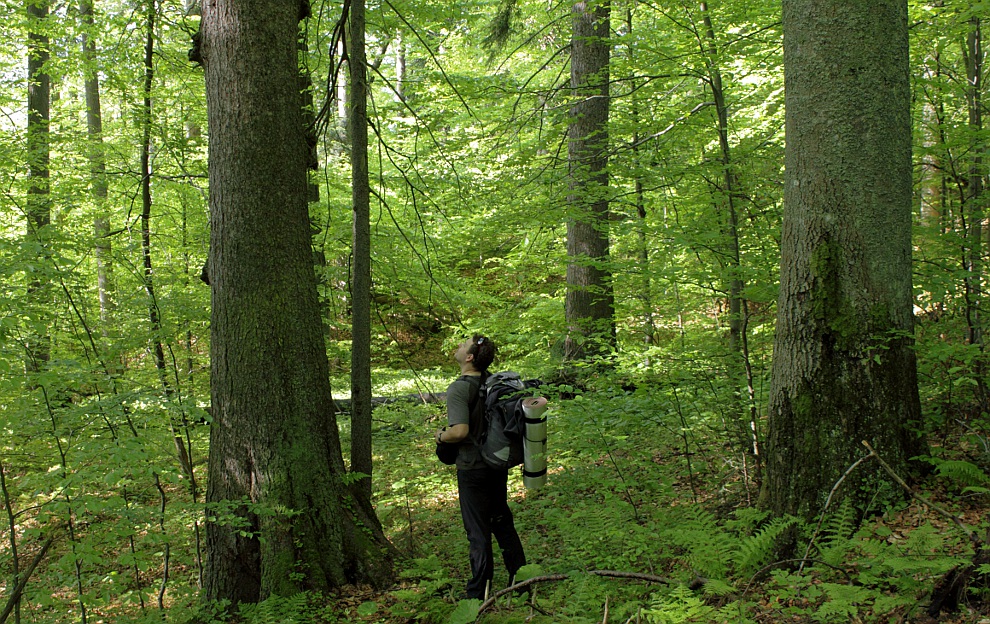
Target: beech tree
x: 282, y: 519
x: 844, y: 366
x: 39, y: 157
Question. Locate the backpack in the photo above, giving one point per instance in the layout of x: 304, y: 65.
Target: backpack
x: 503, y: 425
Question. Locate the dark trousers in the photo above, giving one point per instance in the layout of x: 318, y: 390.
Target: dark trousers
x: 483, y: 493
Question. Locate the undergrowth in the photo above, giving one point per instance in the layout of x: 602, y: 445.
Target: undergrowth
x: 620, y: 497
x: 640, y: 482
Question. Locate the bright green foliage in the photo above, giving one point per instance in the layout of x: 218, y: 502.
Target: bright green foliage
x: 678, y: 607
x: 468, y: 210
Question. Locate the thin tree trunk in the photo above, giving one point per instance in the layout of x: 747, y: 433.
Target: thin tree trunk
x: 973, y: 205
x: 645, y: 273
x: 97, y: 167
x: 154, y: 312
x: 39, y: 191
x: 739, y: 369
x: 589, y: 302
x: 341, y: 94
x: 15, y: 568
x: 400, y: 69
x: 361, y: 250
x: 933, y: 177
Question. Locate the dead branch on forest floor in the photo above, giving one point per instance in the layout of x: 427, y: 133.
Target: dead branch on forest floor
x: 548, y: 578
x: 950, y: 590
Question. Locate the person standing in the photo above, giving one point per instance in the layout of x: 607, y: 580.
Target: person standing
x: 481, y: 489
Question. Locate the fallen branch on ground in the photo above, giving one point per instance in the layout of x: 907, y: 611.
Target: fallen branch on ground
x: 950, y: 590
x: 492, y: 599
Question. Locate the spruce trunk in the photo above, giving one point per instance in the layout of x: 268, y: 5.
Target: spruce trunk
x: 281, y: 517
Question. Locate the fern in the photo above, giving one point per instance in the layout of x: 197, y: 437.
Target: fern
x: 836, y: 542
x: 969, y: 475
x: 755, y: 550
x: 709, y: 548
x: 843, y: 603
x: 746, y: 520
x: 677, y: 606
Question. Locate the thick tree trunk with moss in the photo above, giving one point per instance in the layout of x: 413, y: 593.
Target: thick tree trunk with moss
x: 844, y: 368
x: 281, y: 517
x: 590, y: 303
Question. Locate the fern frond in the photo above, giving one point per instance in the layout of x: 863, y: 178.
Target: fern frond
x: 843, y: 523
x: 755, y: 550
x: 837, y: 534
x: 708, y: 547
x: 965, y: 472
x: 843, y: 604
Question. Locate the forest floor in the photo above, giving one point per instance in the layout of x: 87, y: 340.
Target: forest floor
x: 635, y: 488
x: 669, y: 506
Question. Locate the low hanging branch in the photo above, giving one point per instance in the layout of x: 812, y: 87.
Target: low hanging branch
x: 343, y: 406
x: 649, y: 578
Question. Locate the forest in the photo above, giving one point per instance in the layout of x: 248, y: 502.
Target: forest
x: 742, y: 244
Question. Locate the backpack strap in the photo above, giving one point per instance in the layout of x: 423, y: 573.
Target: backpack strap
x: 476, y: 422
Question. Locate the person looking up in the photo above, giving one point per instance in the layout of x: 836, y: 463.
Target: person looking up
x: 481, y: 489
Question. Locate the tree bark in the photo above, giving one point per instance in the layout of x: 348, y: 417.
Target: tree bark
x: 97, y: 166
x: 589, y: 302
x: 281, y: 517
x: 844, y: 367
x: 39, y: 189
x: 361, y: 250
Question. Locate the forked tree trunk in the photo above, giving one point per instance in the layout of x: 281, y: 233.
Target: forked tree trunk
x: 844, y: 368
x: 282, y: 517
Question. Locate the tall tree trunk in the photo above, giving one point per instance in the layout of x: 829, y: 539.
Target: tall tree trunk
x: 589, y: 303
x: 739, y: 369
x: 39, y: 191
x: 643, y: 251
x: 97, y: 166
x: 361, y: 250
x: 283, y: 518
x: 844, y: 367
x: 973, y: 205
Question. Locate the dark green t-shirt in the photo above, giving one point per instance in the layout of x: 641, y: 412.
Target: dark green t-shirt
x: 460, y: 394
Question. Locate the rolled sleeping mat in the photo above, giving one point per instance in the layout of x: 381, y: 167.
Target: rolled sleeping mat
x: 535, y: 442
